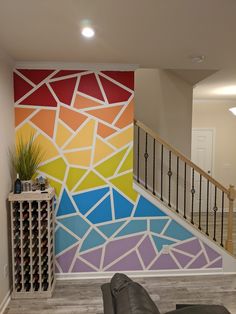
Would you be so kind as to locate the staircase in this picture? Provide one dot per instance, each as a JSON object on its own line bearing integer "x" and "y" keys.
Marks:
{"x": 179, "y": 184}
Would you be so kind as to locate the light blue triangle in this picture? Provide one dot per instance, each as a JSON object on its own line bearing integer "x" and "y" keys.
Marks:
{"x": 178, "y": 232}
{"x": 102, "y": 212}
{"x": 108, "y": 230}
{"x": 65, "y": 207}
{"x": 76, "y": 224}
{"x": 123, "y": 208}
{"x": 92, "y": 240}
{"x": 87, "y": 200}
{"x": 158, "y": 225}
{"x": 133, "y": 227}
{"x": 63, "y": 240}
{"x": 147, "y": 209}
{"x": 159, "y": 242}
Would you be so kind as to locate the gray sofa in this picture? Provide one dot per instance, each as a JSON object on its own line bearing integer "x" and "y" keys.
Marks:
{"x": 125, "y": 296}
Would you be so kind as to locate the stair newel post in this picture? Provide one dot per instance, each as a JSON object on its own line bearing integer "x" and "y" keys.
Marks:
{"x": 231, "y": 197}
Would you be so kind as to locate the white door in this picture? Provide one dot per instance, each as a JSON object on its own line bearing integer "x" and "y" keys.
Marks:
{"x": 202, "y": 156}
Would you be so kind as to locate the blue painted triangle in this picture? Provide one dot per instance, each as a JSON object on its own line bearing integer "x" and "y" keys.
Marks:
{"x": 158, "y": 225}
{"x": 76, "y": 224}
{"x": 147, "y": 209}
{"x": 123, "y": 208}
{"x": 87, "y": 200}
{"x": 159, "y": 242}
{"x": 92, "y": 240}
{"x": 63, "y": 240}
{"x": 108, "y": 230}
{"x": 178, "y": 232}
{"x": 133, "y": 227}
{"x": 65, "y": 207}
{"x": 102, "y": 212}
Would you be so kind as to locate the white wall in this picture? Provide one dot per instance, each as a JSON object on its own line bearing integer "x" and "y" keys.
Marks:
{"x": 6, "y": 141}
{"x": 215, "y": 114}
{"x": 163, "y": 101}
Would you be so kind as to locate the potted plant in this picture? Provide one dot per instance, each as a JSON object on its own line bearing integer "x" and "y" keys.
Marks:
{"x": 26, "y": 159}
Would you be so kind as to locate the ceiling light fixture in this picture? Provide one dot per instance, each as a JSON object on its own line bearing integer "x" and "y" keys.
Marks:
{"x": 88, "y": 32}
{"x": 197, "y": 59}
{"x": 233, "y": 110}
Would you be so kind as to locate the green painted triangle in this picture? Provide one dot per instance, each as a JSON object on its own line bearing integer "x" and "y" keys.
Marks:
{"x": 128, "y": 163}
{"x": 55, "y": 168}
{"x": 74, "y": 175}
{"x": 108, "y": 167}
{"x": 56, "y": 185}
{"x": 90, "y": 181}
{"x": 124, "y": 183}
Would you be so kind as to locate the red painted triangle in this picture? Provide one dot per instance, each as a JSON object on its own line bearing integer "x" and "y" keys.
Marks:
{"x": 126, "y": 78}
{"x": 67, "y": 72}
{"x": 114, "y": 92}
{"x": 89, "y": 86}
{"x": 21, "y": 87}
{"x": 40, "y": 97}
{"x": 35, "y": 76}
{"x": 64, "y": 89}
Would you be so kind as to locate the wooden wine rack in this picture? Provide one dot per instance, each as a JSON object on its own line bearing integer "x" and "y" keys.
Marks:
{"x": 32, "y": 232}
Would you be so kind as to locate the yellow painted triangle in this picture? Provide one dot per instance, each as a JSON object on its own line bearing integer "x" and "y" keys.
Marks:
{"x": 79, "y": 158}
{"x": 84, "y": 138}
{"x": 55, "y": 168}
{"x": 56, "y": 185}
{"x": 124, "y": 183}
{"x": 74, "y": 175}
{"x": 109, "y": 166}
{"x": 90, "y": 181}
{"x": 128, "y": 162}
{"x": 25, "y": 132}
{"x": 48, "y": 148}
{"x": 121, "y": 139}
{"x": 102, "y": 150}
{"x": 62, "y": 134}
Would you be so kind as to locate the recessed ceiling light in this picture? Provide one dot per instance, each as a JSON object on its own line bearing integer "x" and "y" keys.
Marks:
{"x": 197, "y": 59}
{"x": 88, "y": 32}
{"x": 233, "y": 110}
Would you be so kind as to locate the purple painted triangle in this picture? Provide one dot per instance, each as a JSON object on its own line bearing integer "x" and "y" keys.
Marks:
{"x": 181, "y": 258}
{"x": 212, "y": 254}
{"x": 147, "y": 251}
{"x": 130, "y": 262}
{"x": 57, "y": 270}
{"x": 164, "y": 261}
{"x": 66, "y": 259}
{"x": 117, "y": 248}
{"x": 93, "y": 257}
{"x": 192, "y": 247}
{"x": 199, "y": 262}
{"x": 217, "y": 264}
{"x": 80, "y": 267}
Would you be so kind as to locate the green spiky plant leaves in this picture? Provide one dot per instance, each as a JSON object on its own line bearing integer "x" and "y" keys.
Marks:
{"x": 27, "y": 157}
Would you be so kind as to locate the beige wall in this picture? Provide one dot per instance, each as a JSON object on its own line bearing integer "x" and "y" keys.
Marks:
{"x": 6, "y": 140}
{"x": 163, "y": 101}
{"x": 215, "y": 114}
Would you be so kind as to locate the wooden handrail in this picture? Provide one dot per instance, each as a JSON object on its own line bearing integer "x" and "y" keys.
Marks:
{"x": 229, "y": 242}
{"x": 180, "y": 155}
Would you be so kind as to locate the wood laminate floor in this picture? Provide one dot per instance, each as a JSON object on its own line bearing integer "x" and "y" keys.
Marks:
{"x": 84, "y": 296}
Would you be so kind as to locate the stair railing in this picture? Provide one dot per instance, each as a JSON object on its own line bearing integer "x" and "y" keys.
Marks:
{"x": 183, "y": 186}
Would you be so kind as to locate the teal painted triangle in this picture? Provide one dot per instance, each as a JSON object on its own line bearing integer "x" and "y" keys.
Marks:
{"x": 65, "y": 207}
{"x": 158, "y": 225}
{"x": 108, "y": 230}
{"x": 159, "y": 242}
{"x": 76, "y": 224}
{"x": 178, "y": 232}
{"x": 133, "y": 227}
{"x": 92, "y": 240}
{"x": 63, "y": 240}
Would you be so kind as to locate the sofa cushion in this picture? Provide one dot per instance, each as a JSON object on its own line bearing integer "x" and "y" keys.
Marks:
{"x": 118, "y": 282}
{"x": 201, "y": 309}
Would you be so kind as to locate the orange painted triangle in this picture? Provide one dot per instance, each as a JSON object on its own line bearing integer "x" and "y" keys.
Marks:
{"x": 72, "y": 118}
{"x": 45, "y": 120}
{"x": 83, "y": 102}
{"x": 21, "y": 114}
{"x": 104, "y": 130}
{"x": 106, "y": 114}
{"x": 127, "y": 116}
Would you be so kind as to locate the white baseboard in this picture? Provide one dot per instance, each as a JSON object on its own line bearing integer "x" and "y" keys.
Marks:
{"x": 5, "y": 302}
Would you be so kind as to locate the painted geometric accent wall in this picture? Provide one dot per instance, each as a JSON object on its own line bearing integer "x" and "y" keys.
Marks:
{"x": 83, "y": 120}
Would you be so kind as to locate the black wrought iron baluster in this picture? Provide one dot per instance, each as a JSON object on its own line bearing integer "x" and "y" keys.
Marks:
{"x": 192, "y": 192}
{"x": 222, "y": 220}
{"x": 207, "y": 209}
{"x": 138, "y": 147}
{"x": 185, "y": 184}
{"x": 169, "y": 175}
{"x": 215, "y": 211}
{"x": 200, "y": 204}
{"x": 162, "y": 153}
{"x": 146, "y": 160}
{"x": 177, "y": 185}
{"x": 154, "y": 167}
